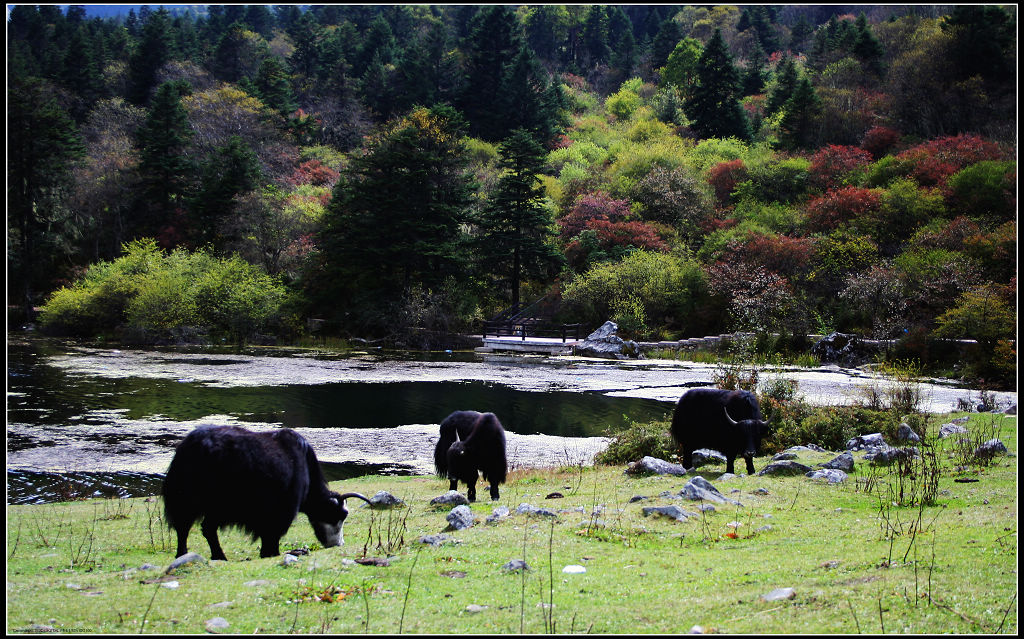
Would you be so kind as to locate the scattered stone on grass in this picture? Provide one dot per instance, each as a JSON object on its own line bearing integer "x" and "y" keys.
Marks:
{"x": 499, "y": 513}
{"x": 785, "y": 467}
{"x": 673, "y": 511}
{"x": 704, "y": 456}
{"x": 384, "y": 500}
{"x": 700, "y": 489}
{"x": 990, "y": 449}
{"x": 475, "y": 608}
{"x": 555, "y": 495}
{"x": 779, "y": 594}
{"x": 865, "y": 441}
{"x": 221, "y": 604}
{"x": 289, "y": 559}
{"x": 906, "y": 434}
{"x": 527, "y": 509}
{"x": 256, "y": 583}
{"x": 454, "y": 574}
{"x": 885, "y": 455}
{"x": 450, "y": 498}
{"x": 636, "y": 498}
{"x": 460, "y": 518}
{"x": 652, "y": 465}
{"x": 951, "y": 428}
{"x": 843, "y": 462}
{"x": 383, "y": 562}
{"x": 436, "y": 540}
{"x": 217, "y": 623}
{"x": 574, "y": 569}
{"x": 187, "y": 558}
{"x": 783, "y": 456}
{"x": 831, "y": 475}
{"x": 516, "y": 565}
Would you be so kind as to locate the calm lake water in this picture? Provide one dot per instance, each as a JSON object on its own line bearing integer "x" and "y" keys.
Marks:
{"x": 83, "y": 420}
{"x": 86, "y": 420}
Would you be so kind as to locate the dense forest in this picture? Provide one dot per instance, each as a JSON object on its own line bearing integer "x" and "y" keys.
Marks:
{"x": 235, "y": 171}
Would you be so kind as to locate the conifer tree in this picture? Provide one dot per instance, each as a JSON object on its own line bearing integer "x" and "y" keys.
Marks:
{"x": 786, "y": 80}
{"x": 273, "y": 86}
{"x": 866, "y": 47}
{"x": 232, "y": 169}
{"x": 516, "y": 229}
{"x": 153, "y": 51}
{"x": 166, "y": 172}
{"x": 754, "y": 76}
{"x": 669, "y": 35}
{"x": 595, "y": 36}
{"x": 714, "y": 104}
{"x": 801, "y": 117}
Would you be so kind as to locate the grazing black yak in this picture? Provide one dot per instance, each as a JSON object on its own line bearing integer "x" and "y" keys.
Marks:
{"x": 706, "y": 418}
{"x": 259, "y": 482}
{"x": 471, "y": 442}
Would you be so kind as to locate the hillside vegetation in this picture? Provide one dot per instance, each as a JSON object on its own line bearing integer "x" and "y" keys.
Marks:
{"x": 396, "y": 171}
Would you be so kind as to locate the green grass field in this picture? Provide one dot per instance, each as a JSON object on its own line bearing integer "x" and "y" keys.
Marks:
{"x": 856, "y": 561}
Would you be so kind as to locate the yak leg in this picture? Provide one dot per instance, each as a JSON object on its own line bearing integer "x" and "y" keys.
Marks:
{"x": 750, "y": 465}
{"x": 687, "y": 458}
{"x": 210, "y": 532}
{"x": 453, "y": 484}
{"x": 471, "y": 492}
{"x": 494, "y": 491}
{"x": 730, "y": 461}
{"x": 270, "y": 545}
{"x": 182, "y": 531}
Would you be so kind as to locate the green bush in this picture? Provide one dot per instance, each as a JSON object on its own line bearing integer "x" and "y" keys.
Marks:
{"x": 799, "y": 425}
{"x": 660, "y": 290}
{"x": 637, "y": 441}
{"x": 149, "y": 294}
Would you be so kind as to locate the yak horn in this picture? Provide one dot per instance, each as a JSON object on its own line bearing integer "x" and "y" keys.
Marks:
{"x": 357, "y": 496}
{"x": 728, "y": 417}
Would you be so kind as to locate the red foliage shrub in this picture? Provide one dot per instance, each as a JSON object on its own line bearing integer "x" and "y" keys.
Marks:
{"x": 879, "y": 140}
{"x": 574, "y": 81}
{"x": 589, "y": 207}
{"x": 561, "y": 142}
{"x": 724, "y": 176}
{"x": 951, "y": 236}
{"x": 638, "y": 234}
{"x": 934, "y": 161}
{"x": 830, "y": 165}
{"x": 313, "y": 172}
{"x": 838, "y": 206}
{"x": 780, "y": 253}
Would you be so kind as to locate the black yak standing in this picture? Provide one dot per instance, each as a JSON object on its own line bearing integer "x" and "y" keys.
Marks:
{"x": 229, "y": 476}
{"x": 706, "y": 418}
{"x": 471, "y": 442}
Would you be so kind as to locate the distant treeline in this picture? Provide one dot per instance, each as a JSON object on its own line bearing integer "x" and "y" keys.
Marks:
{"x": 683, "y": 170}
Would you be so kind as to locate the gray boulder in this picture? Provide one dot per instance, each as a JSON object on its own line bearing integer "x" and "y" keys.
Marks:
{"x": 384, "y": 500}
{"x": 450, "y": 498}
{"x": 844, "y": 349}
{"x": 499, "y": 513}
{"x": 701, "y": 489}
{"x": 831, "y": 475}
{"x": 906, "y": 434}
{"x": 783, "y": 456}
{"x": 654, "y": 466}
{"x": 605, "y": 343}
{"x": 527, "y": 509}
{"x": 865, "y": 441}
{"x": 516, "y": 565}
{"x": 460, "y": 518}
{"x": 703, "y": 456}
{"x": 990, "y": 449}
{"x": 843, "y": 462}
{"x": 885, "y": 455}
{"x": 951, "y": 428}
{"x": 675, "y": 512}
{"x": 785, "y": 467}
{"x": 184, "y": 560}
{"x": 436, "y": 540}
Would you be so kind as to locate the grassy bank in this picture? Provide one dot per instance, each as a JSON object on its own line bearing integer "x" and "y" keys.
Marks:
{"x": 856, "y": 561}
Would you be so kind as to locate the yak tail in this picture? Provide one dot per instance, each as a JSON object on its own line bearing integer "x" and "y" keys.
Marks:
{"x": 448, "y": 437}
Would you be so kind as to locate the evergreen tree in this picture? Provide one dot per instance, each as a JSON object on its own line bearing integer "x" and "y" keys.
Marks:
{"x": 494, "y": 43}
{"x": 153, "y": 51}
{"x": 394, "y": 220}
{"x": 516, "y": 227}
{"x": 714, "y": 106}
{"x": 866, "y": 47}
{"x": 754, "y": 76}
{"x": 529, "y": 100}
{"x": 260, "y": 19}
{"x": 231, "y": 170}
{"x": 166, "y": 172}
{"x": 669, "y": 35}
{"x": 786, "y": 79}
{"x": 983, "y": 41}
{"x": 273, "y": 86}
{"x": 378, "y": 42}
{"x": 595, "y": 36}
{"x": 44, "y": 141}
{"x": 83, "y": 75}
{"x": 800, "y": 33}
{"x": 801, "y": 118}
{"x": 306, "y": 33}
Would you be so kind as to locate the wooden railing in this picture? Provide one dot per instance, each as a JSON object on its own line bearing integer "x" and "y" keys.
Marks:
{"x": 530, "y": 327}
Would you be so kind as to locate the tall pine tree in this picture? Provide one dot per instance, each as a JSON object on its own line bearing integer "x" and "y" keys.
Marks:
{"x": 714, "y": 105}
{"x": 516, "y": 228}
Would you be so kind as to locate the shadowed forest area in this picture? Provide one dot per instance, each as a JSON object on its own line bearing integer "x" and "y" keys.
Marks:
{"x": 231, "y": 173}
